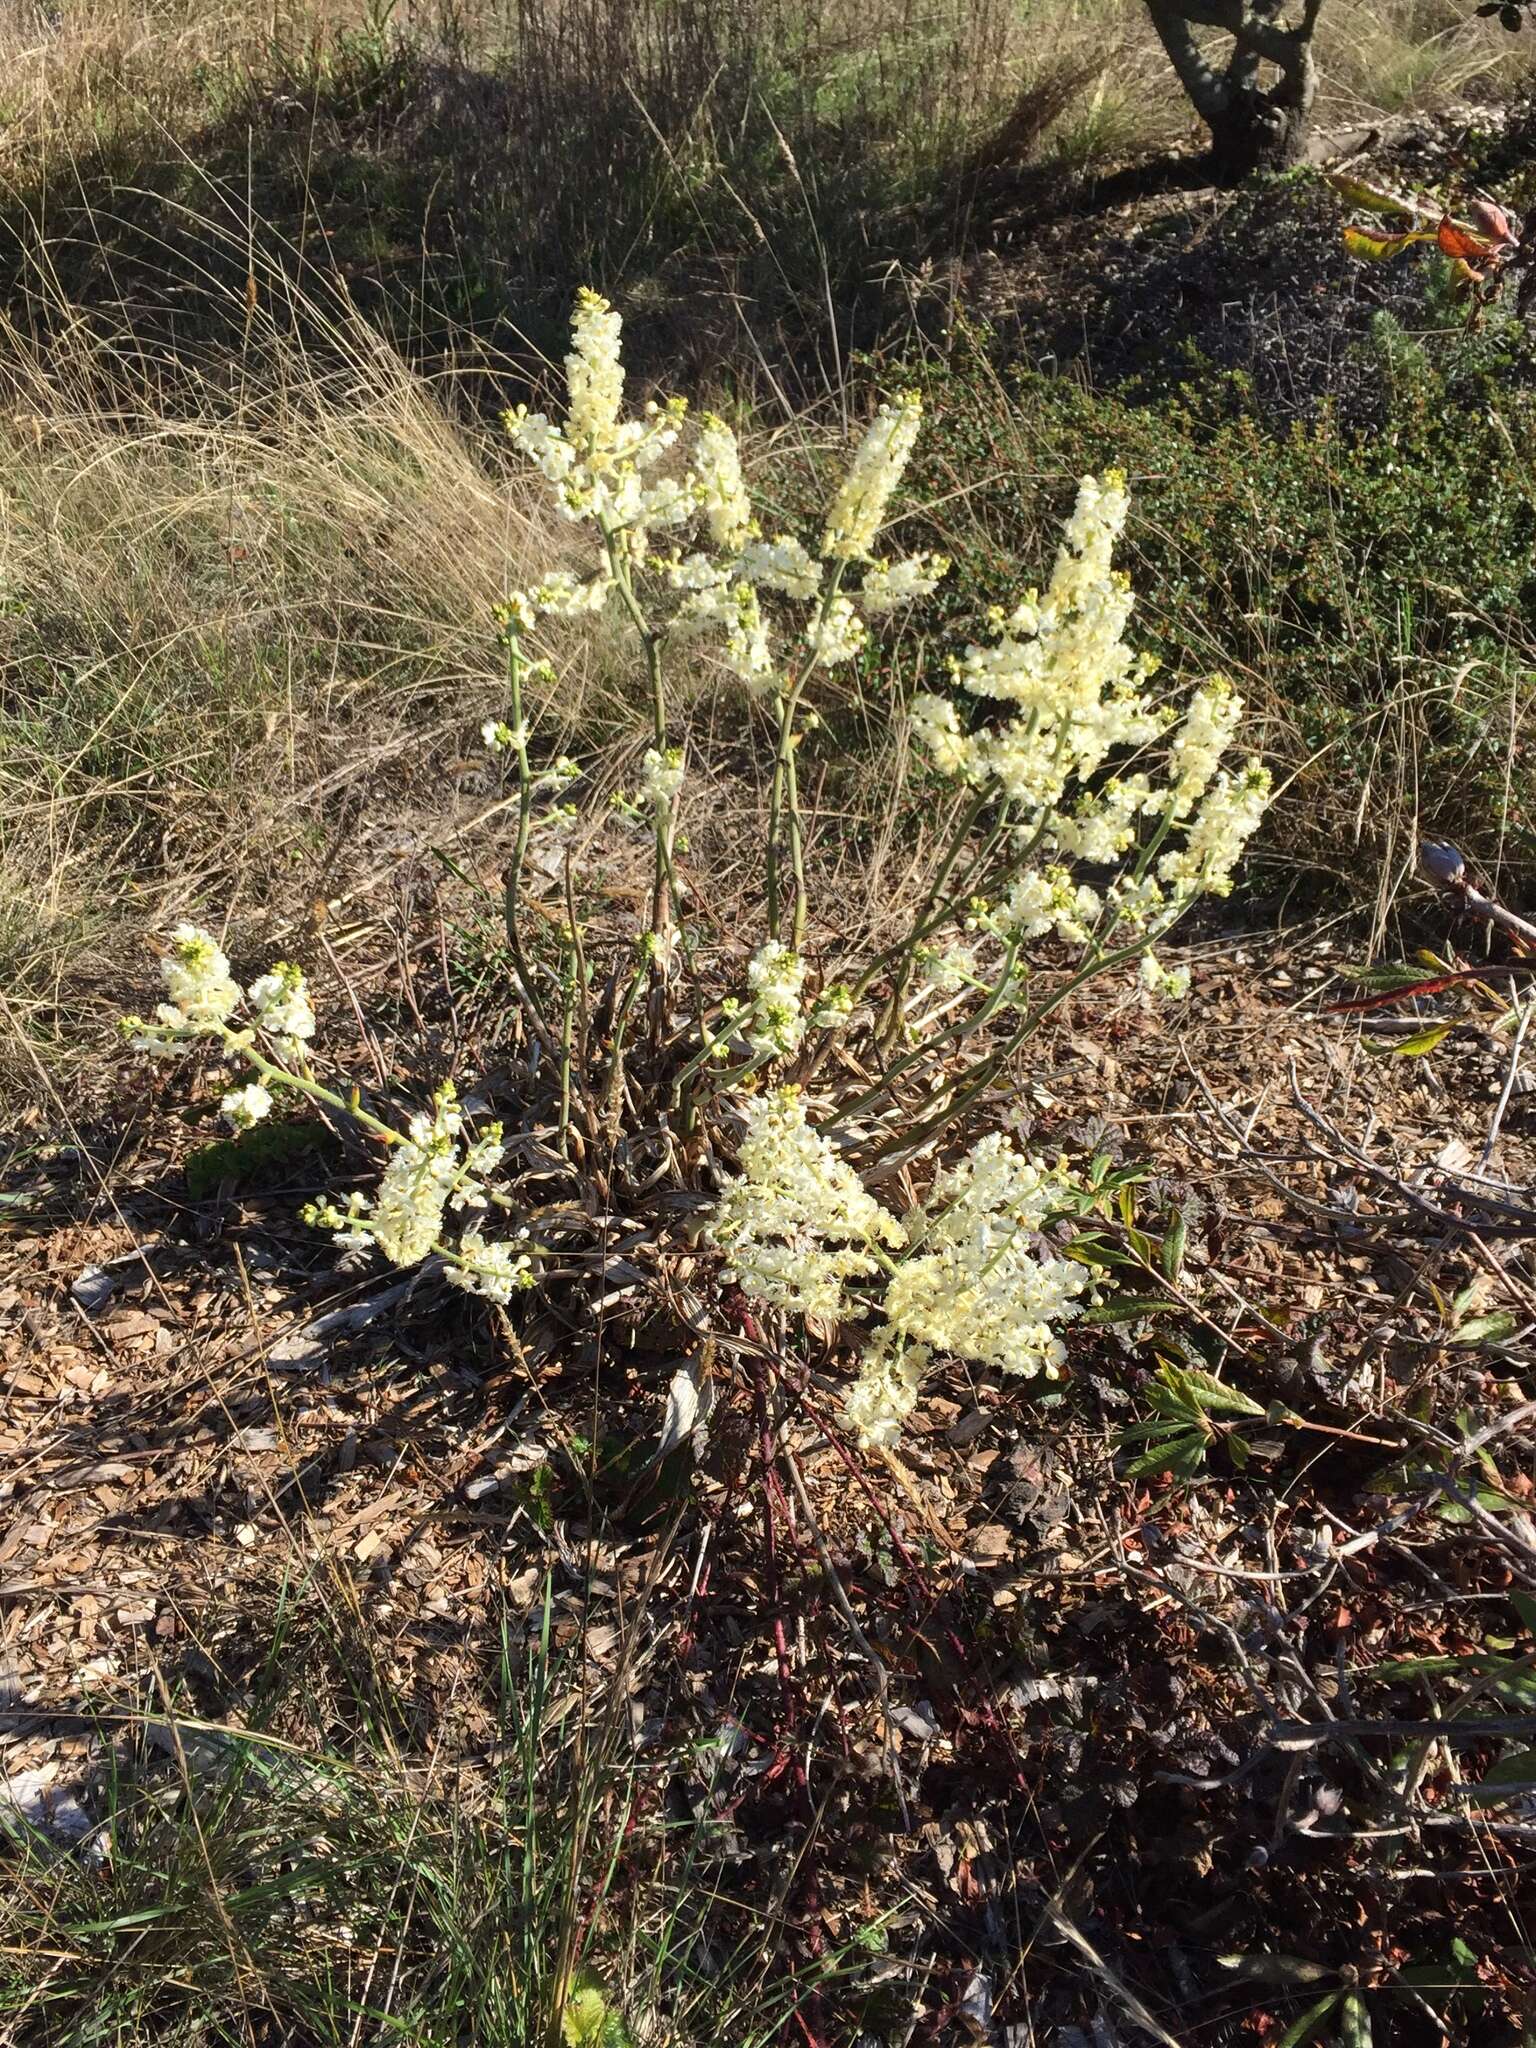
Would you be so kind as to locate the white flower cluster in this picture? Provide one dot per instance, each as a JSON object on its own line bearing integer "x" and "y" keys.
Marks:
{"x": 282, "y": 1009}
{"x": 1197, "y": 747}
{"x": 974, "y": 1282}
{"x": 245, "y": 1107}
{"x": 720, "y": 489}
{"x": 936, "y": 727}
{"x": 429, "y": 1172}
{"x": 1170, "y": 983}
{"x": 198, "y": 984}
{"x": 594, "y": 375}
{"x": 774, "y": 1023}
{"x": 1103, "y": 825}
{"x": 948, "y": 968}
{"x": 797, "y": 1224}
{"x": 782, "y": 564}
{"x": 596, "y": 461}
{"x": 889, "y": 585}
{"x": 1062, "y": 660}
{"x": 1078, "y": 693}
{"x": 661, "y": 775}
{"x": 837, "y": 633}
{"x": 496, "y": 1271}
{"x": 202, "y": 998}
{"x": 562, "y": 596}
{"x": 599, "y": 465}
{"x": 1045, "y": 902}
{"x": 882, "y": 1397}
{"x": 1231, "y": 812}
{"x": 747, "y": 653}
{"x": 833, "y": 1007}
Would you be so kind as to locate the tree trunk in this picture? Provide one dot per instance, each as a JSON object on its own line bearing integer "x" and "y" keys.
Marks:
{"x": 1251, "y": 129}
{"x": 1253, "y": 132}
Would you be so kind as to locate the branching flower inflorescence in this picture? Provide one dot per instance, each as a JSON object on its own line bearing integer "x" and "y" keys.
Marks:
{"x": 1086, "y": 816}
{"x": 432, "y": 1168}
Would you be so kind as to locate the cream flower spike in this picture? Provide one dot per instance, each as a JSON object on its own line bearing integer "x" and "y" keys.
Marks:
{"x": 859, "y": 509}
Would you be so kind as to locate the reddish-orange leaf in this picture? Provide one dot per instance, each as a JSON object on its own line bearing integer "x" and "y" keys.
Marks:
{"x": 1460, "y": 242}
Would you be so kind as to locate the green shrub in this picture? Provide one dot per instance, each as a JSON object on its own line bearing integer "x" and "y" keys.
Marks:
{"x": 1368, "y": 588}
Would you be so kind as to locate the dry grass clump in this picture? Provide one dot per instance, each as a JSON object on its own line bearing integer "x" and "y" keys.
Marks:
{"x": 102, "y": 72}
{"x": 1412, "y": 55}
{"x": 222, "y": 621}
{"x": 678, "y": 100}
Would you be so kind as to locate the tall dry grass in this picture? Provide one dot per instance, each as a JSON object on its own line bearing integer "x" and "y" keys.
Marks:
{"x": 675, "y": 89}
{"x": 222, "y": 622}
{"x": 100, "y": 73}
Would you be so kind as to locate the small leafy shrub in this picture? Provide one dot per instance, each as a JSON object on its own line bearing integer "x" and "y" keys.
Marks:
{"x": 825, "y": 1109}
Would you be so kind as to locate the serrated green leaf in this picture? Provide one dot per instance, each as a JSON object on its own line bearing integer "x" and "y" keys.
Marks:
{"x": 1170, "y": 1394}
{"x": 1103, "y": 1257}
{"x": 583, "y": 2018}
{"x": 1126, "y": 1177}
{"x": 588, "y": 2020}
{"x": 1490, "y": 1329}
{"x": 1383, "y": 974}
{"x": 1179, "y": 1456}
{"x": 1217, "y": 1397}
{"x": 1304, "y": 2028}
{"x": 1146, "y": 1432}
{"x": 1524, "y": 1605}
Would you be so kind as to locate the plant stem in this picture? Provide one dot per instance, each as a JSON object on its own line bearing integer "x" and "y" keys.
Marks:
{"x": 619, "y": 569}
{"x": 567, "y": 1034}
{"x": 270, "y": 1071}
{"x": 513, "y": 880}
{"x": 616, "y": 1060}
{"x": 980, "y": 1077}
{"x": 784, "y": 789}
{"x": 954, "y": 1033}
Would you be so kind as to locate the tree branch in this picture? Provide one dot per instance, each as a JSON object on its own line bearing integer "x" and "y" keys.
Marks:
{"x": 1207, "y": 89}
{"x": 1252, "y": 31}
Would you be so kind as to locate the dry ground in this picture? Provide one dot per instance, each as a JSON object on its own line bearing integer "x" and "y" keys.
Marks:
{"x": 1074, "y": 1743}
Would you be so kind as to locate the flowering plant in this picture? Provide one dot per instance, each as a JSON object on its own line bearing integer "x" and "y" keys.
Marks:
{"x": 788, "y": 1096}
